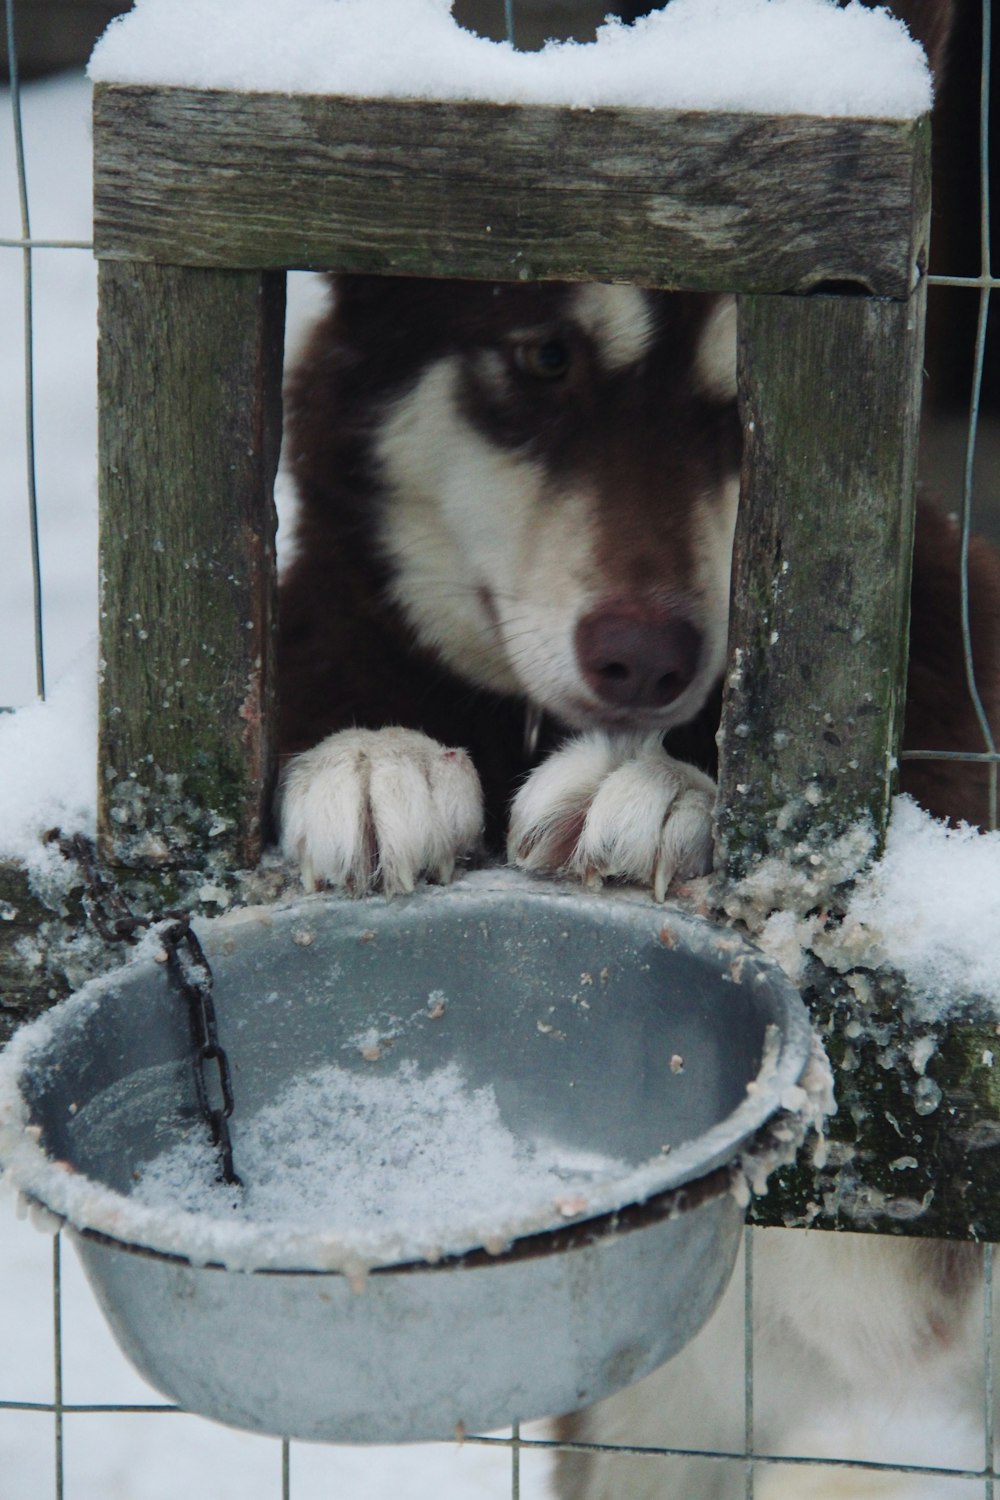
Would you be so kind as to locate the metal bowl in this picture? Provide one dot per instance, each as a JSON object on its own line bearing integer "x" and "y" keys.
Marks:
{"x": 612, "y": 1029}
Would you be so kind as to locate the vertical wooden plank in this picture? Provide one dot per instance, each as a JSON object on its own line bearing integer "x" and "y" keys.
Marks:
{"x": 189, "y": 372}
{"x": 814, "y": 696}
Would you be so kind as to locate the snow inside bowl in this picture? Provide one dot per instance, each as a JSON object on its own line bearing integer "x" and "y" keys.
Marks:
{"x": 486, "y": 1135}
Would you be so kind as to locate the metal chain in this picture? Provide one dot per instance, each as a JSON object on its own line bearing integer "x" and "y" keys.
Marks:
{"x": 190, "y": 972}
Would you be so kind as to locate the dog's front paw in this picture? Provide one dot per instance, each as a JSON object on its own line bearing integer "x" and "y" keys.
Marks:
{"x": 618, "y": 808}
{"x": 377, "y": 808}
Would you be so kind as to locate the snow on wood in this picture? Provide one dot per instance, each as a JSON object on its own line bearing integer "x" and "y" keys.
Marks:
{"x": 772, "y": 56}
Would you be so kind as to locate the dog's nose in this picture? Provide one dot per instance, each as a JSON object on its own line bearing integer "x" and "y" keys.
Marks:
{"x": 632, "y": 660}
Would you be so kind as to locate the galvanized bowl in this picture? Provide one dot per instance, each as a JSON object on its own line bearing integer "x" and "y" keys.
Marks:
{"x": 612, "y": 1028}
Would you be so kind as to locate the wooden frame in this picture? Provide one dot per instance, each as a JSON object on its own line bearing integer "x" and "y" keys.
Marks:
{"x": 203, "y": 199}
{"x": 224, "y": 187}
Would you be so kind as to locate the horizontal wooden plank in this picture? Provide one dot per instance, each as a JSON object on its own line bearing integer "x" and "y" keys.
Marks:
{"x": 746, "y": 202}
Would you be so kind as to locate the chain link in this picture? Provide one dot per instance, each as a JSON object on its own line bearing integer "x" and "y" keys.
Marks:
{"x": 190, "y": 972}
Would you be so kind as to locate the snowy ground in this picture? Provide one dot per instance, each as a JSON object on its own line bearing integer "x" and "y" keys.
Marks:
{"x": 117, "y": 1456}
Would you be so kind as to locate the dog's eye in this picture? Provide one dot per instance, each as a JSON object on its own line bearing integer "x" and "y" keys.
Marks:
{"x": 545, "y": 359}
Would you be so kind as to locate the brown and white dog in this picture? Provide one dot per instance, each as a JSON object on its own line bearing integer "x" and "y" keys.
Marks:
{"x": 519, "y": 500}
{"x": 517, "y": 508}
{"x": 515, "y": 499}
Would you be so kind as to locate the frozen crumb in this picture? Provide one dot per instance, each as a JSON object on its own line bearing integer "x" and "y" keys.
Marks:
{"x": 304, "y": 937}
{"x": 921, "y": 1052}
{"x": 668, "y": 937}
{"x": 43, "y": 1220}
{"x": 371, "y": 1044}
{"x": 436, "y": 1005}
{"x": 547, "y": 1030}
{"x": 366, "y": 935}
{"x": 677, "y": 1063}
{"x": 570, "y": 1207}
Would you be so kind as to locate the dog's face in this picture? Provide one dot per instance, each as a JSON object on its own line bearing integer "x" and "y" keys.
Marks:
{"x": 561, "y": 467}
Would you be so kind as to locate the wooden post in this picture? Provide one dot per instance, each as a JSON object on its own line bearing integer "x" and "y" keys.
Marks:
{"x": 190, "y": 430}
{"x": 819, "y": 620}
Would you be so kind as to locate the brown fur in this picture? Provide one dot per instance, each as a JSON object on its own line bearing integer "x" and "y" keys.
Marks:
{"x": 348, "y": 658}
{"x": 940, "y": 714}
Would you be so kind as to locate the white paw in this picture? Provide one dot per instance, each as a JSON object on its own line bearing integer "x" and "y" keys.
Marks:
{"x": 614, "y": 807}
{"x": 371, "y": 808}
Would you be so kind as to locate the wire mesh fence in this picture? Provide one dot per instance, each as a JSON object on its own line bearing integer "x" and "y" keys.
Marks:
{"x": 44, "y": 1414}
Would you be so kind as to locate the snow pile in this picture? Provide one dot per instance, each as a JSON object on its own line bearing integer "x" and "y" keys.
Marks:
{"x": 773, "y": 56}
{"x": 408, "y": 1150}
{"x": 48, "y": 766}
{"x": 931, "y": 908}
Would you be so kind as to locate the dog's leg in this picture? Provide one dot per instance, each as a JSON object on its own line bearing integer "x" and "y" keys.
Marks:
{"x": 602, "y": 806}
{"x": 378, "y": 808}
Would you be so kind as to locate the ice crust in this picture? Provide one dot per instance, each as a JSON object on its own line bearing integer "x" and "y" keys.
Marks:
{"x": 406, "y": 1153}
{"x": 770, "y": 56}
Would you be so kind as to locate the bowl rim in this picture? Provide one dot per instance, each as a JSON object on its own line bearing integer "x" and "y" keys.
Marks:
{"x": 662, "y": 1186}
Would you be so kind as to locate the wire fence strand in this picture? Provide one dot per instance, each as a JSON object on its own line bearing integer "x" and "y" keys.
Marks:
{"x": 29, "y": 351}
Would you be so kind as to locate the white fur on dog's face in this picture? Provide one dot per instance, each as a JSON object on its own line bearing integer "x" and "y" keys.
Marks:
{"x": 715, "y": 361}
{"x": 495, "y": 562}
{"x": 618, "y": 319}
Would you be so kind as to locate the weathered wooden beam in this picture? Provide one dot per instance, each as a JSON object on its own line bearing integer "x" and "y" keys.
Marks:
{"x": 740, "y": 202}
{"x": 820, "y": 607}
{"x": 915, "y": 1142}
{"x": 190, "y": 428}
